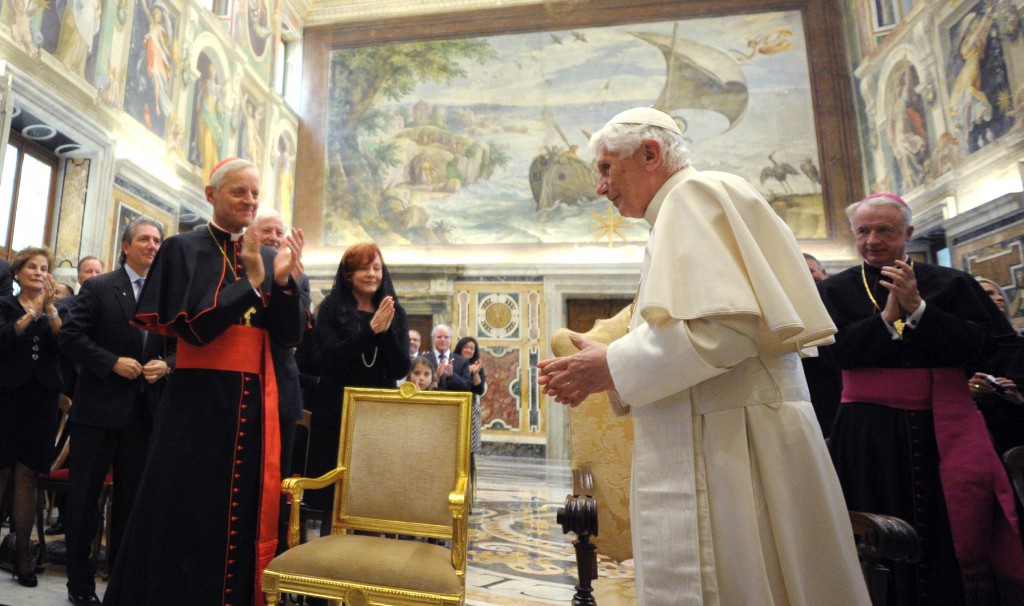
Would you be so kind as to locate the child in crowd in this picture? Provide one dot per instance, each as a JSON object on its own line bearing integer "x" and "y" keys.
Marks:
{"x": 422, "y": 374}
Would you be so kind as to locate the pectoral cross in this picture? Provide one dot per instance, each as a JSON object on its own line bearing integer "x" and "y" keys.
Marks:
{"x": 899, "y": 326}
{"x": 248, "y": 315}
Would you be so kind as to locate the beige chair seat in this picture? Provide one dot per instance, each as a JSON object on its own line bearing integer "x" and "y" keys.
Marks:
{"x": 370, "y": 560}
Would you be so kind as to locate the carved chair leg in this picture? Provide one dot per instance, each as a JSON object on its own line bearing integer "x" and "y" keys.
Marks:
{"x": 586, "y": 561}
{"x": 271, "y": 597}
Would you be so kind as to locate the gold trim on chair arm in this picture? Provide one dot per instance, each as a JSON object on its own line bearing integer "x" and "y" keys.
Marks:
{"x": 457, "y": 497}
{"x": 294, "y": 487}
{"x": 460, "y": 525}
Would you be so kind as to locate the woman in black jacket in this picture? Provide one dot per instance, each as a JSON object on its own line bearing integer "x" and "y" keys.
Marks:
{"x": 362, "y": 336}
{"x": 30, "y": 387}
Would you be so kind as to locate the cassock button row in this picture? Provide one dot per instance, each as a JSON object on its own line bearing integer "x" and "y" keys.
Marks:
{"x": 35, "y": 339}
{"x": 35, "y": 348}
{"x": 231, "y": 561}
{"x": 238, "y": 461}
{"x": 237, "y": 490}
{"x": 231, "y": 547}
{"x": 238, "y": 475}
{"x": 234, "y": 532}
{"x": 35, "y": 356}
{"x": 241, "y": 434}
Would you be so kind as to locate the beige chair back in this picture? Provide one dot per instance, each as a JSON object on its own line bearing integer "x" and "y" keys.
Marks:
{"x": 397, "y": 450}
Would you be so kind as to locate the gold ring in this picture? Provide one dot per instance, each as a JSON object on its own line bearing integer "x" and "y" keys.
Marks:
{"x": 976, "y": 386}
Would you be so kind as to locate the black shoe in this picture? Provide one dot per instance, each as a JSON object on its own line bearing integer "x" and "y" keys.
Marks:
{"x": 88, "y": 599}
{"x": 55, "y": 529}
{"x": 26, "y": 579}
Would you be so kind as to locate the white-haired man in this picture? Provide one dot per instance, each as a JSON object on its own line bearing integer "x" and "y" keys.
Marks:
{"x": 907, "y": 439}
{"x": 734, "y": 501}
{"x": 217, "y": 429}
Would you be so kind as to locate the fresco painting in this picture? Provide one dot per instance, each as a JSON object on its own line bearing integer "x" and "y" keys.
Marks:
{"x": 979, "y": 89}
{"x": 907, "y": 130}
{"x": 485, "y": 140}
{"x": 153, "y": 60}
{"x": 209, "y": 123}
{"x": 70, "y": 30}
{"x": 284, "y": 172}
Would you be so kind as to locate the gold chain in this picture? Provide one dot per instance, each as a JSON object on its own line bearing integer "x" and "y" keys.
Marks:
{"x": 223, "y": 252}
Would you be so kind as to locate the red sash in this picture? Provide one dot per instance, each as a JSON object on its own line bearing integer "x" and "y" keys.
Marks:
{"x": 247, "y": 349}
{"x": 984, "y": 532}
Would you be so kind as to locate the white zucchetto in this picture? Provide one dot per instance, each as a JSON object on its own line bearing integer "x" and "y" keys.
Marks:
{"x": 647, "y": 116}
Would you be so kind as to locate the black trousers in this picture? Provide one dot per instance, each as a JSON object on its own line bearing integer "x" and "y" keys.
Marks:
{"x": 94, "y": 451}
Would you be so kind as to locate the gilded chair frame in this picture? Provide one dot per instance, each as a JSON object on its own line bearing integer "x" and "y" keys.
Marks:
{"x": 349, "y": 516}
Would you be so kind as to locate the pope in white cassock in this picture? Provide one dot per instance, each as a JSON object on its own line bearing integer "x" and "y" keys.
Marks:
{"x": 734, "y": 498}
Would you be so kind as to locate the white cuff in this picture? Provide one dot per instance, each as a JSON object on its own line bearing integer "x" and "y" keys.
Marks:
{"x": 650, "y": 364}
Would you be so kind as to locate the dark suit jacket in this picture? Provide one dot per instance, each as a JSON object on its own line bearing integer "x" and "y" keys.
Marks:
{"x": 289, "y": 390}
{"x": 6, "y": 281}
{"x": 459, "y": 379}
{"x": 95, "y": 335}
{"x": 31, "y": 355}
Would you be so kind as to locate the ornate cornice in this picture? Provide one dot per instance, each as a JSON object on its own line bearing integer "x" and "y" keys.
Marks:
{"x": 330, "y": 12}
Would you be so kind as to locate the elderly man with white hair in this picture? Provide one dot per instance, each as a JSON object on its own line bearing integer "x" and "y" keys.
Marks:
{"x": 908, "y": 440}
{"x": 734, "y": 501}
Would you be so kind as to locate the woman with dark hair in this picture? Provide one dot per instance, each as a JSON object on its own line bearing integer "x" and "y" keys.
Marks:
{"x": 998, "y": 394}
{"x": 468, "y": 348}
{"x": 29, "y": 390}
{"x": 362, "y": 336}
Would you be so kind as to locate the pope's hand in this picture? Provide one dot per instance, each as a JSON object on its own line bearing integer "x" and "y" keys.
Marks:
{"x": 571, "y": 379}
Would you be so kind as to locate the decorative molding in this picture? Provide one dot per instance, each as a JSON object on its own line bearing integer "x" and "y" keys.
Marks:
{"x": 335, "y": 12}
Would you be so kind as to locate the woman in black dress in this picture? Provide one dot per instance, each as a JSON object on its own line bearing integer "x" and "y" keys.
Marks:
{"x": 468, "y": 348}
{"x": 362, "y": 335}
{"x": 29, "y": 390}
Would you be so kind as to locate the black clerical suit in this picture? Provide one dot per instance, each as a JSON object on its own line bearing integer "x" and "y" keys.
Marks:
{"x": 289, "y": 406}
{"x": 459, "y": 380}
{"x": 6, "y": 280}
{"x": 111, "y": 417}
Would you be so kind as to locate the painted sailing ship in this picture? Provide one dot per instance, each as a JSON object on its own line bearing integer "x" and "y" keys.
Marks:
{"x": 697, "y": 76}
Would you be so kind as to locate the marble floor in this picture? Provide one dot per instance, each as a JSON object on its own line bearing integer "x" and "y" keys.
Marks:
{"x": 517, "y": 552}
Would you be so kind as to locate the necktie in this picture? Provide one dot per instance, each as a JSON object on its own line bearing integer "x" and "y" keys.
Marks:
{"x": 139, "y": 283}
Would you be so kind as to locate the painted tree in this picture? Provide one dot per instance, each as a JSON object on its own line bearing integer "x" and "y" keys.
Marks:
{"x": 361, "y": 79}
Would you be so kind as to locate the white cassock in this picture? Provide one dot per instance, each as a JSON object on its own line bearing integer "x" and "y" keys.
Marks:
{"x": 734, "y": 499}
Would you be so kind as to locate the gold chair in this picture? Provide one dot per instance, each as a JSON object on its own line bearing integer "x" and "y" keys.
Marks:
{"x": 403, "y": 469}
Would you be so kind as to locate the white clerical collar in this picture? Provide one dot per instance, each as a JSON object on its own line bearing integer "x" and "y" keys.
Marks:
{"x": 651, "y": 214}
{"x": 234, "y": 237}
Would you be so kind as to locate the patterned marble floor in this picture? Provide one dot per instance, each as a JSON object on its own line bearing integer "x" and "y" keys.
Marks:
{"x": 517, "y": 553}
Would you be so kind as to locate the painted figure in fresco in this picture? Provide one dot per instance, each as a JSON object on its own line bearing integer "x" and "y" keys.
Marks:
{"x": 249, "y": 133}
{"x": 159, "y": 62}
{"x": 970, "y": 107}
{"x": 906, "y": 131}
{"x": 21, "y": 25}
{"x": 285, "y": 177}
{"x": 259, "y": 26}
{"x": 78, "y": 29}
{"x": 207, "y": 132}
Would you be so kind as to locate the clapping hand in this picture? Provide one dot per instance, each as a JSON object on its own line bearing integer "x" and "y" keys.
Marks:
{"x": 295, "y": 241}
{"x": 444, "y": 369}
{"x": 252, "y": 260}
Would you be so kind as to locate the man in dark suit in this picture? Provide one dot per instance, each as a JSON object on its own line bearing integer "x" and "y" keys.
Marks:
{"x": 88, "y": 267}
{"x": 452, "y": 370}
{"x": 6, "y": 279}
{"x": 268, "y": 227}
{"x": 122, "y": 373}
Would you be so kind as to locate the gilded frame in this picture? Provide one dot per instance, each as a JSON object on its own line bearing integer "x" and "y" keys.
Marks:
{"x": 834, "y": 127}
